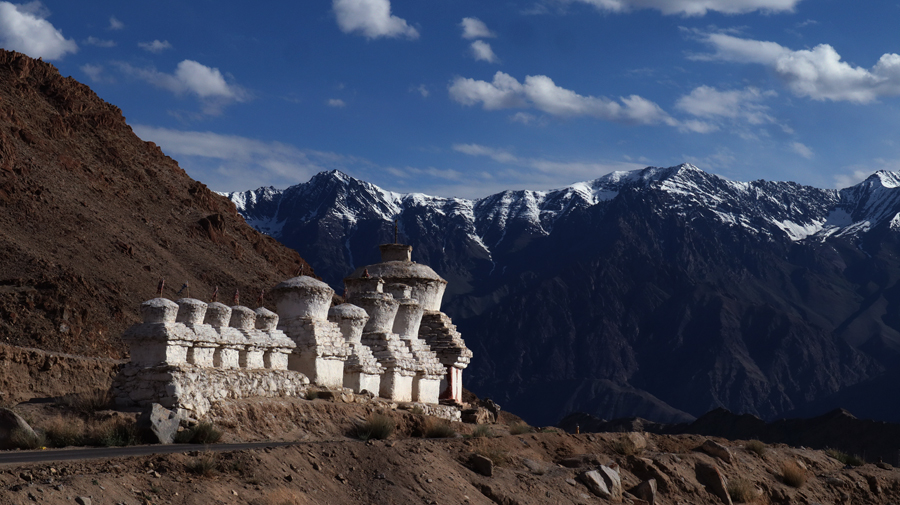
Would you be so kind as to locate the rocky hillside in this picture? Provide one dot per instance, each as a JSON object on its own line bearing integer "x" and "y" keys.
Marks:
{"x": 92, "y": 217}
{"x": 325, "y": 466}
{"x": 661, "y": 293}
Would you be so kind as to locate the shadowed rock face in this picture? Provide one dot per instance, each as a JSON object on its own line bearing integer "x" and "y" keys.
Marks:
{"x": 91, "y": 217}
{"x": 661, "y": 293}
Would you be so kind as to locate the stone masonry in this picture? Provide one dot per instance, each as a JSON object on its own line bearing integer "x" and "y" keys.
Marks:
{"x": 391, "y": 339}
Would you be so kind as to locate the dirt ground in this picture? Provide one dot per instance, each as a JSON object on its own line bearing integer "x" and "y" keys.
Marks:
{"x": 330, "y": 466}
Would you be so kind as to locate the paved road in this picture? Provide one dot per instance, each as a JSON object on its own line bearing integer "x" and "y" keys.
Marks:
{"x": 20, "y": 457}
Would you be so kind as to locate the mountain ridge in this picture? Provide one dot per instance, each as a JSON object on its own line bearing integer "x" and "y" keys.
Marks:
{"x": 663, "y": 291}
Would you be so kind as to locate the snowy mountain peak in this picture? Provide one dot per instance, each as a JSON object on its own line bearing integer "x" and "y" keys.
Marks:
{"x": 768, "y": 209}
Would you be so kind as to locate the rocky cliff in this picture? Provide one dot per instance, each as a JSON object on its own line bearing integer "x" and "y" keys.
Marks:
{"x": 92, "y": 217}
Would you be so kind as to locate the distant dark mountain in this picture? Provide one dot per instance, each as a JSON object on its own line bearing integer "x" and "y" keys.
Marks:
{"x": 660, "y": 293}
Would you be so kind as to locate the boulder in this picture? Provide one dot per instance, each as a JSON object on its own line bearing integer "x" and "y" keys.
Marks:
{"x": 10, "y": 422}
{"x": 712, "y": 478}
{"x": 482, "y": 465}
{"x": 595, "y": 483}
{"x": 646, "y": 491}
{"x": 159, "y": 423}
{"x": 476, "y": 416}
{"x": 613, "y": 482}
{"x": 716, "y": 450}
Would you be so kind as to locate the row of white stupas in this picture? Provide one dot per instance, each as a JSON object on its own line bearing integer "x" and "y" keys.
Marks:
{"x": 390, "y": 338}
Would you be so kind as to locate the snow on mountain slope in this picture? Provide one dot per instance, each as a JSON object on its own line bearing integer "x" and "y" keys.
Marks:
{"x": 765, "y": 208}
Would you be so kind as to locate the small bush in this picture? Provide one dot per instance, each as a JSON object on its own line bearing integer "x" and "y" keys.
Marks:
{"x": 519, "y": 428}
{"x": 116, "y": 433}
{"x": 88, "y": 403}
{"x": 792, "y": 474}
{"x": 203, "y": 433}
{"x": 64, "y": 431}
{"x": 843, "y": 457}
{"x": 438, "y": 428}
{"x": 756, "y": 447}
{"x": 377, "y": 426}
{"x": 24, "y": 439}
{"x": 482, "y": 431}
{"x": 312, "y": 394}
{"x": 205, "y": 465}
{"x": 741, "y": 490}
{"x": 417, "y": 410}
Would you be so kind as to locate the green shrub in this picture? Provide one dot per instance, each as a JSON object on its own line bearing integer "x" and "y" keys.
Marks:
{"x": 741, "y": 490}
{"x": 377, "y": 426}
{"x": 756, "y": 447}
{"x": 312, "y": 394}
{"x": 482, "y": 431}
{"x": 417, "y": 410}
{"x": 435, "y": 428}
{"x": 792, "y": 474}
{"x": 519, "y": 428}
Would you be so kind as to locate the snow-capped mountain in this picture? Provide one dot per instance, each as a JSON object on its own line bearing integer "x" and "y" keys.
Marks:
{"x": 659, "y": 292}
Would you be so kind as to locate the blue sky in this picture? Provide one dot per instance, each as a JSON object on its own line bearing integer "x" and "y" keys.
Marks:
{"x": 465, "y": 98}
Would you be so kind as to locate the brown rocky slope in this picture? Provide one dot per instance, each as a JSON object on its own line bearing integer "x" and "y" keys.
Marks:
{"x": 92, "y": 217}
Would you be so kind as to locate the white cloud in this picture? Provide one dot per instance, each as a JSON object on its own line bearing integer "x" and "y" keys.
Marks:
{"x": 94, "y": 72}
{"x": 817, "y": 73}
{"x": 233, "y": 163}
{"x": 156, "y": 46}
{"x": 336, "y": 102}
{"x": 420, "y": 89}
{"x": 802, "y": 150}
{"x": 695, "y": 7}
{"x": 94, "y": 41}
{"x": 482, "y": 51}
{"x": 115, "y": 24}
{"x": 540, "y": 92}
{"x": 736, "y": 106}
{"x": 24, "y": 28}
{"x": 371, "y": 18}
{"x": 522, "y": 117}
{"x": 541, "y": 173}
{"x": 474, "y": 28}
{"x": 191, "y": 77}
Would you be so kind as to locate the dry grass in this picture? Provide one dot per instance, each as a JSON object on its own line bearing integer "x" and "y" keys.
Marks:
{"x": 742, "y": 490}
{"x": 88, "y": 403}
{"x": 202, "y": 433}
{"x": 757, "y": 447}
{"x": 283, "y": 496}
{"x": 377, "y": 426}
{"x": 520, "y": 428}
{"x": 438, "y": 428}
{"x": 23, "y": 439}
{"x": 113, "y": 433}
{"x": 495, "y": 453}
{"x": 204, "y": 465}
{"x": 482, "y": 431}
{"x": 843, "y": 457}
{"x": 793, "y": 474}
{"x": 65, "y": 431}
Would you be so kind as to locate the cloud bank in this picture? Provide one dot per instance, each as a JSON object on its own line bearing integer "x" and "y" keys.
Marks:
{"x": 695, "y": 7}
{"x": 24, "y": 28}
{"x": 371, "y": 18}
{"x": 817, "y": 73}
{"x": 541, "y": 93}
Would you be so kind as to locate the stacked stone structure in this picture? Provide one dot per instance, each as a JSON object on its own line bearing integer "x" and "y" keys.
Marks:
{"x": 391, "y": 339}
{"x": 187, "y": 354}
{"x": 434, "y": 329}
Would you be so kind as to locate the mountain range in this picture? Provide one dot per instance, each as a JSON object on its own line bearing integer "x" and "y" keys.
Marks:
{"x": 661, "y": 293}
